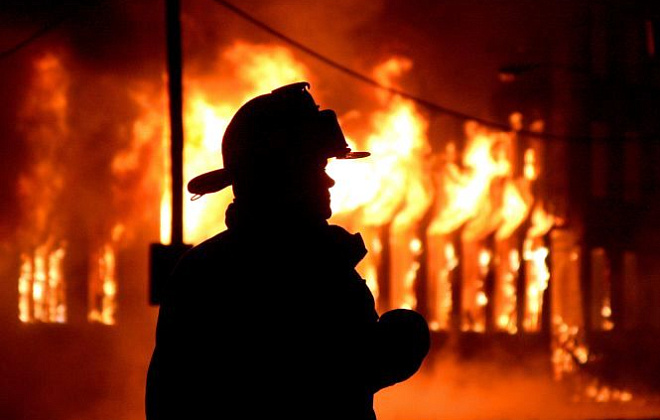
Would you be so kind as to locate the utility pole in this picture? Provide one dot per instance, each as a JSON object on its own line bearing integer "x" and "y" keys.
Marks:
{"x": 163, "y": 257}
{"x": 175, "y": 89}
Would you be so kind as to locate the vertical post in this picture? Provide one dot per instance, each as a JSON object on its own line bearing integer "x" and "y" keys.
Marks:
{"x": 384, "y": 274}
{"x": 163, "y": 258}
{"x": 521, "y": 281}
{"x": 172, "y": 11}
{"x": 457, "y": 283}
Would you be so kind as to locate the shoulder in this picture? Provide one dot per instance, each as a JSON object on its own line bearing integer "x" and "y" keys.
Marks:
{"x": 349, "y": 245}
{"x": 209, "y": 246}
{"x": 209, "y": 250}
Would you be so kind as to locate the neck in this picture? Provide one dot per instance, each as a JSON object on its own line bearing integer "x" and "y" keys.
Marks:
{"x": 268, "y": 216}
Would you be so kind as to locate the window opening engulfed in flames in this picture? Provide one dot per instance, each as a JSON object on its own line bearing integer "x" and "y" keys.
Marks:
{"x": 41, "y": 287}
{"x": 103, "y": 286}
{"x": 43, "y": 120}
{"x": 45, "y": 240}
{"x": 601, "y": 291}
{"x": 487, "y": 226}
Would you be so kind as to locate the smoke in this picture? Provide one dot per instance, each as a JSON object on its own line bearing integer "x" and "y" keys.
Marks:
{"x": 454, "y": 388}
{"x": 486, "y": 380}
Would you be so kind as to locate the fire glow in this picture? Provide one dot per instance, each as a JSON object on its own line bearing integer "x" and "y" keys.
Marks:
{"x": 456, "y": 212}
{"x": 41, "y": 285}
{"x": 453, "y": 228}
{"x": 474, "y": 200}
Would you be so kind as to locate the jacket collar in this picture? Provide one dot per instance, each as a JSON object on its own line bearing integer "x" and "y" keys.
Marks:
{"x": 332, "y": 240}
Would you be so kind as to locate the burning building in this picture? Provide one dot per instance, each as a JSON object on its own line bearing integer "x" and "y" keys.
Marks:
{"x": 526, "y": 235}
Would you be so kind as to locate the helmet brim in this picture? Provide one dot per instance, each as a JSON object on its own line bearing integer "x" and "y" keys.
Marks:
{"x": 354, "y": 155}
{"x": 210, "y": 182}
{"x": 214, "y": 181}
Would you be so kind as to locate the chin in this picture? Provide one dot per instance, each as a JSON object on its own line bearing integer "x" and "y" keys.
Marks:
{"x": 323, "y": 209}
{"x": 323, "y": 213}
{"x": 327, "y": 210}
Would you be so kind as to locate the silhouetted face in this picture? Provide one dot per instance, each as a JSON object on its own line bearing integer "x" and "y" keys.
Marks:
{"x": 306, "y": 189}
{"x": 294, "y": 188}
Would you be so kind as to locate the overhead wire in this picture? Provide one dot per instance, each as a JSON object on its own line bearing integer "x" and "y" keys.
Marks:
{"x": 330, "y": 62}
{"x": 368, "y": 80}
{"x": 70, "y": 12}
{"x": 48, "y": 27}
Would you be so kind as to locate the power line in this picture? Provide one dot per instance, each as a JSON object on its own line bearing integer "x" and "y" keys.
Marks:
{"x": 70, "y": 11}
{"x": 355, "y": 74}
{"x": 34, "y": 36}
{"x": 359, "y": 76}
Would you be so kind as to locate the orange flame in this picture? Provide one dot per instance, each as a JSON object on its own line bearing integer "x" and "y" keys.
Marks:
{"x": 103, "y": 285}
{"x": 393, "y": 185}
{"x": 535, "y": 254}
{"x": 41, "y": 282}
{"x": 477, "y": 198}
{"x": 440, "y": 268}
{"x": 41, "y": 286}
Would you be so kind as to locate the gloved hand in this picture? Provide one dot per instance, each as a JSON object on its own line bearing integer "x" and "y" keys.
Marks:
{"x": 402, "y": 342}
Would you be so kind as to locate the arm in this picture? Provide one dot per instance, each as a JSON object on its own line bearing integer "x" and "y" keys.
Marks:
{"x": 401, "y": 342}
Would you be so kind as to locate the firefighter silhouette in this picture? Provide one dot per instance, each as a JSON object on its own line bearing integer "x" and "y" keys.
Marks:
{"x": 270, "y": 317}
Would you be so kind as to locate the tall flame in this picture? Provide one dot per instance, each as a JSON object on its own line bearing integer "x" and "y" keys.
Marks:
{"x": 481, "y": 201}
{"x": 41, "y": 286}
{"x": 41, "y": 282}
{"x": 391, "y": 186}
{"x": 535, "y": 253}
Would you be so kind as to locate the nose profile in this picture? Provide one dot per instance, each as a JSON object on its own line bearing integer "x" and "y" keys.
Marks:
{"x": 329, "y": 182}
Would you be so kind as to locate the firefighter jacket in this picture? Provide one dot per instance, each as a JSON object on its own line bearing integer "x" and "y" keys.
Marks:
{"x": 271, "y": 320}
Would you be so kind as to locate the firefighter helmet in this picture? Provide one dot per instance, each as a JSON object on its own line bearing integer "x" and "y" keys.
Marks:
{"x": 285, "y": 123}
